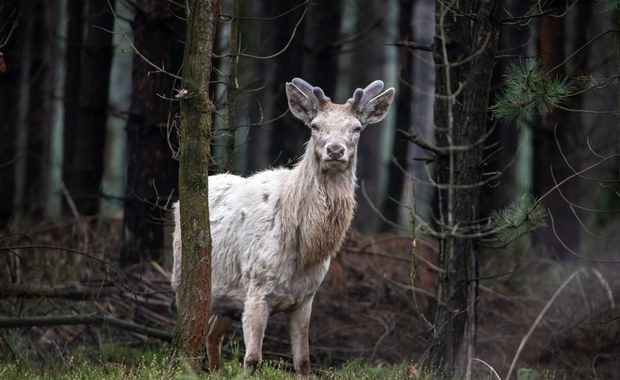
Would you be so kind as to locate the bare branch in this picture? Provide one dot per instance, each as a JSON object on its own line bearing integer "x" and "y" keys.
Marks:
{"x": 8, "y": 27}
{"x": 52, "y": 247}
{"x": 576, "y": 174}
{"x": 285, "y": 46}
{"x": 158, "y": 69}
{"x": 411, "y": 45}
{"x": 538, "y": 320}
{"x": 573, "y": 252}
{"x": 87, "y": 319}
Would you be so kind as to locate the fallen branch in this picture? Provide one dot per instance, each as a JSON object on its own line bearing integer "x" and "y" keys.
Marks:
{"x": 88, "y": 319}
{"x": 69, "y": 292}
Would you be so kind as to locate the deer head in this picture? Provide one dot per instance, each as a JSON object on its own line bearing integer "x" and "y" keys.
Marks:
{"x": 336, "y": 128}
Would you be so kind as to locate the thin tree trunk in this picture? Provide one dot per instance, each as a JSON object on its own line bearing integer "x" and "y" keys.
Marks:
{"x": 73, "y": 54}
{"x": 21, "y": 122}
{"x": 370, "y": 20}
{"x": 194, "y": 295}
{"x": 115, "y": 157}
{"x": 461, "y": 111}
{"x": 395, "y": 174}
{"x": 57, "y": 52}
{"x": 422, "y": 123}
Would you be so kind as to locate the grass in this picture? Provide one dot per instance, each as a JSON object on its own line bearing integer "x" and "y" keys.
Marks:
{"x": 121, "y": 363}
{"x": 161, "y": 368}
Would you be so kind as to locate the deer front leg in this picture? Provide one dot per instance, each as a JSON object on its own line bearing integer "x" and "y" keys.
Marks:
{"x": 254, "y": 321}
{"x": 298, "y": 324}
{"x": 218, "y": 325}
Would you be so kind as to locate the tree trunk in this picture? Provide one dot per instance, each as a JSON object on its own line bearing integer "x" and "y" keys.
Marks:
{"x": 514, "y": 181}
{"x": 310, "y": 54}
{"x": 287, "y": 135}
{"x": 84, "y": 145}
{"x": 75, "y": 29}
{"x": 461, "y": 110}
{"x": 422, "y": 124}
{"x": 370, "y": 23}
{"x": 115, "y": 157}
{"x": 9, "y": 97}
{"x": 320, "y": 59}
{"x": 552, "y": 41}
{"x": 150, "y": 168}
{"x": 194, "y": 295}
{"x": 395, "y": 174}
{"x": 32, "y": 113}
{"x": 56, "y": 84}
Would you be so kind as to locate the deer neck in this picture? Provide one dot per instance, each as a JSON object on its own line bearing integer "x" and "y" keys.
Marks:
{"x": 319, "y": 208}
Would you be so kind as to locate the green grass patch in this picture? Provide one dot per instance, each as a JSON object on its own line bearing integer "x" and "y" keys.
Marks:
{"x": 123, "y": 363}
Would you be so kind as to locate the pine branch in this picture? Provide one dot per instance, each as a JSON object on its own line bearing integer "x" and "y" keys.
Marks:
{"x": 522, "y": 216}
{"x": 530, "y": 92}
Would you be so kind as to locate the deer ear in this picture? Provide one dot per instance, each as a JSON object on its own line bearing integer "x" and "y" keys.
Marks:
{"x": 300, "y": 105}
{"x": 377, "y": 108}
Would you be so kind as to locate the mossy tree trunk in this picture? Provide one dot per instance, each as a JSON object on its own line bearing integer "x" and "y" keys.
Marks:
{"x": 466, "y": 44}
{"x": 195, "y": 137}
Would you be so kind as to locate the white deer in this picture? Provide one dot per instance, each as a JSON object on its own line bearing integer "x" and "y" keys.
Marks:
{"x": 274, "y": 233}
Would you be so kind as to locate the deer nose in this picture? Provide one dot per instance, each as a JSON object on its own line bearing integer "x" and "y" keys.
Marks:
{"x": 335, "y": 151}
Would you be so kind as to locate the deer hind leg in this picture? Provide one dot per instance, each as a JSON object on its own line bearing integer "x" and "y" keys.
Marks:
{"x": 218, "y": 325}
{"x": 298, "y": 324}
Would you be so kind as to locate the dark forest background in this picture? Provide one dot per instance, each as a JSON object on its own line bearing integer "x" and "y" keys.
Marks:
{"x": 89, "y": 117}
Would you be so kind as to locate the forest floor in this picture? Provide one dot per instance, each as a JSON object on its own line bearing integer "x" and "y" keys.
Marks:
{"x": 564, "y": 317}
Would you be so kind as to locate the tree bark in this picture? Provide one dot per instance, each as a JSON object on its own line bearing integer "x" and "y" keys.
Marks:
{"x": 464, "y": 57}
{"x": 194, "y": 295}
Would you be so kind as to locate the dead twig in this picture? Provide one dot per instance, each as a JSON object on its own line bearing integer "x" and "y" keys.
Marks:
{"x": 537, "y": 321}
{"x": 87, "y": 319}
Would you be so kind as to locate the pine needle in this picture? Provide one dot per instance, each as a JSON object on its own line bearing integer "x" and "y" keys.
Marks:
{"x": 521, "y": 216}
{"x": 529, "y": 92}
{"x": 609, "y": 5}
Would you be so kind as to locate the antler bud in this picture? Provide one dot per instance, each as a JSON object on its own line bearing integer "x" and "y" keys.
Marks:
{"x": 312, "y": 92}
{"x": 361, "y": 97}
